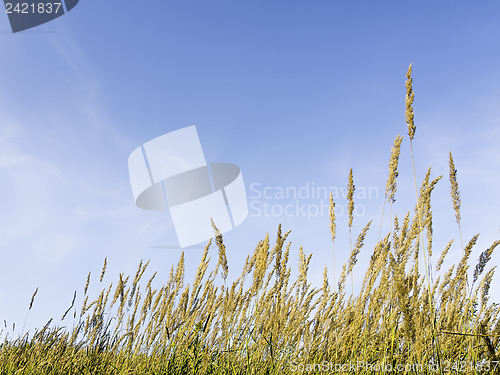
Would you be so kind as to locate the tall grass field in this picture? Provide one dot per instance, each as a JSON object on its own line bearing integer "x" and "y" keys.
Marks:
{"x": 406, "y": 319}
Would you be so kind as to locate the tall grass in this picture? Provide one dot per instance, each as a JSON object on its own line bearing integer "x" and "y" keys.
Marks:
{"x": 266, "y": 323}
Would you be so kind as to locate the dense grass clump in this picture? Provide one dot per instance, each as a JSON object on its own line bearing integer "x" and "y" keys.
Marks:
{"x": 403, "y": 320}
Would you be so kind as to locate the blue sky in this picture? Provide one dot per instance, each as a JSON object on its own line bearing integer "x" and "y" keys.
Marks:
{"x": 292, "y": 92}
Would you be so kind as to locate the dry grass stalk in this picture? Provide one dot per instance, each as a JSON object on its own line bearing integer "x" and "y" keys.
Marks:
{"x": 103, "y": 269}
{"x": 409, "y": 104}
{"x": 333, "y": 230}
{"x": 390, "y": 188}
{"x": 222, "y": 251}
{"x": 350, "y": 197}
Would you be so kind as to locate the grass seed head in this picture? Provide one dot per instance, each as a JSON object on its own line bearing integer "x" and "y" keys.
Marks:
{"x": 409, "y": 104}
{"x": 390, "y": 189}
{"x": 350, "y": 197}
{"x": 455, "y": 193}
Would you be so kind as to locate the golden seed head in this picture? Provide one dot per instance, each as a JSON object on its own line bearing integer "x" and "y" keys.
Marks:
{"x": 409, "y": 104}
{"x": 390, "y": 188}
{"x": 333, "y": 226}
{"x": 357, "y": 247}
{"x": 350, "y": 196}
{"x": 455, "y": 193}
{"x": 103, "y": 269}
{"x": 87, "y": 284}
{"x": 222, "y": 251}
{"x": 33, "y": 298}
